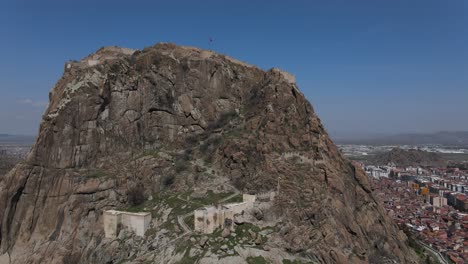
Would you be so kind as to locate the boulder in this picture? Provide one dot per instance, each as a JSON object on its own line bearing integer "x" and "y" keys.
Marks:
{"x": 226, "y": 232}
{"x": 252, "y": 234}
{"x": 257, "y": 213}
{"x": 258, "y": 240}
{"x": 203, "y": 240}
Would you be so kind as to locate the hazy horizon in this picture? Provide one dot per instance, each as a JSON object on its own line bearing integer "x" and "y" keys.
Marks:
{"x": 366, "y": 67}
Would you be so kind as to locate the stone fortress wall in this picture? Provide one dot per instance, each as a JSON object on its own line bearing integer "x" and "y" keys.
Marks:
{"x": 208, "y": 219}
{"x": 114, "y": 221}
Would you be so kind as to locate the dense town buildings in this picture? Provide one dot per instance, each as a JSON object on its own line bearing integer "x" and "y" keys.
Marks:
{"x": 14, "y": 150}
{"x": 430, "y": 202}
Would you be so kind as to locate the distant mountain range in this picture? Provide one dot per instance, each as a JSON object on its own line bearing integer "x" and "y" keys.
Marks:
{"x": 459, "y": 139}
{"x": 17, "y": 139}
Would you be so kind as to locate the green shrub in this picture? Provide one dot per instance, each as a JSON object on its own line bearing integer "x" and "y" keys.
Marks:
{"x": 136, "y": 195}
{"x": 168, "y": 180}
{"x": 257, "y": 260}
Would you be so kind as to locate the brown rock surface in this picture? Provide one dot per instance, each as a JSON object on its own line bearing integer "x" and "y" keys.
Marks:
{"x": 119, "y": 118}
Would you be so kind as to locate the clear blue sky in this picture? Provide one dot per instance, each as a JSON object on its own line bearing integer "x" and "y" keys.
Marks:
{"x": 367, "y": 66}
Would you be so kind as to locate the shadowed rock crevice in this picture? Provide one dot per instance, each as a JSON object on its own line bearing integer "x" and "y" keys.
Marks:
{"x": 11, "y": 213}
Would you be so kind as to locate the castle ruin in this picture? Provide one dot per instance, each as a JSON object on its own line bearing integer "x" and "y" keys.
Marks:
{"x": 114, "y": 221}
{"x": 208, "y": 219}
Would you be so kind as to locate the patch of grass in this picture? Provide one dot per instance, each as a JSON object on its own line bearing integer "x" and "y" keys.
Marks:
{"x": 135, "y": 209}
{"x": 236, "y": 199}
{"x": 243, "y": 230}
{"x": 185, "y": 246}
{"x": 95, "y": 174}
{"x": 151, "y": 152}
{"x": 180, "y": 207}
{"x": 147, "y": 205}
{"x": 211, "y": 198}
{"x": 169, "y": 225}
{"x": 257, "y": 260}
{"x": 190, "y": 221}
{"x": 186, "y": 259}
{"x": 215, "y": 246}
{"x": 151, "y": 232}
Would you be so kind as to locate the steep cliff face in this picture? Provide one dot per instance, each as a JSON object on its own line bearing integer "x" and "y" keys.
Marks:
{"x": 154, "y": 118}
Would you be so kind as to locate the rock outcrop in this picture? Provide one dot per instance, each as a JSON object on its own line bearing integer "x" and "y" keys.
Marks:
{"x": 160, "y": 119}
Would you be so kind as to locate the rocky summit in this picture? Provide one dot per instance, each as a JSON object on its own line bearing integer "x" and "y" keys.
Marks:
{"x": 170, "y": 129}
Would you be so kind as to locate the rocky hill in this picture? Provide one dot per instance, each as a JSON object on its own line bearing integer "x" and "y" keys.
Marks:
{"x": 411, "y": 157}
{"x": 181, "y": 127}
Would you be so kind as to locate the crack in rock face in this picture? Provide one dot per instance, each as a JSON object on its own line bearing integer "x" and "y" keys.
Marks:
{"x": 177, "y": 122}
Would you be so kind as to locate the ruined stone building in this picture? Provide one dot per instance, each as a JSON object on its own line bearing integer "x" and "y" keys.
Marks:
{"x": 114, "y": 221}
{"x": 208, "y": 219}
